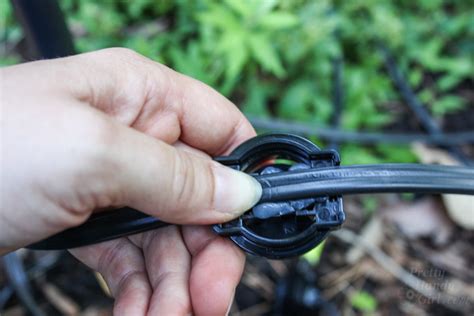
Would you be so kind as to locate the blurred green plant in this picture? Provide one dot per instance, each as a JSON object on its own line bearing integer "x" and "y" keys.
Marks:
{"x": 314, "y": 255}
{"x": 274, "y": 57}
{"x": 10, "y": 35}
{"x": 364, "y": 301}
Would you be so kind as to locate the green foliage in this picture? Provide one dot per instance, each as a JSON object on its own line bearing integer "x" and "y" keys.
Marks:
{"x": 275, "y": 56}
{"x": 10, "y": 35}
{"x": 370, "y": 204}
{"x": 314, "y": 255}
{"x": 446, "y": 104}
{"x": 364, "y": 302}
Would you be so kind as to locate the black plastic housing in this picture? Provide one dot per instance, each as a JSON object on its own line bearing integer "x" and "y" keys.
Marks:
{"x": 290, "y": 234}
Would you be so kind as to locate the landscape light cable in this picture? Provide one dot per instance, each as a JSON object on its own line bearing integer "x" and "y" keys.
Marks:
{"x": 360, "y": 137}
{"x": 301, "y": 202}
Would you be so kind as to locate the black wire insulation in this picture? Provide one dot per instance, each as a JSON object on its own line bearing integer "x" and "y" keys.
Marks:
{"x": 332, "y": 181}
{"x": 101, "y": 227}
{"x": 338, "y": 135}
{"x": 5, "y": 294}
{"x": 18, "y": 280}
{"x": 41, "y": 266}
{"x": 365, "y": 173}
{"x": 368, "y": 179}
{"x": 407, "y": 93}
{"x": 45, "y": 28}
{"x": 369, "y": 185}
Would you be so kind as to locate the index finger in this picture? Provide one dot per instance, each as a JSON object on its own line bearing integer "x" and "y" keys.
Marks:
{"x": 150, "y": 97}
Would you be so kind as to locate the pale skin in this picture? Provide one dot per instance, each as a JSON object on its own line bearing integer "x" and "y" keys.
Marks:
{"x": 112, "y": 128}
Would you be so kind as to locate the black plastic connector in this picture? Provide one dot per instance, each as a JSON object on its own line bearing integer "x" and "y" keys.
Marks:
{"x": 287, "y": 228}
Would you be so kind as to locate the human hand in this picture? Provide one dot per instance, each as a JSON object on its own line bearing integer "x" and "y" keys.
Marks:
{"x": 112, "y": 128}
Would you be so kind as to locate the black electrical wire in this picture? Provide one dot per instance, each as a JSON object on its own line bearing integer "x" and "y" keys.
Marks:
{"x": 364, "y": 173}
{"x": 410, "y": 98}
{"x": 42, "y": 264}
{"x": 18, "y": 280}
{"x": 102, "y": 227}
{"x": 5, "y": 294}
{"x": 407, "y": 93}
{"x": 338, "y": 135}
{"x": 381, "y": 178}
{"x": 44, "y": 28}
{"x": 332, "y": 181}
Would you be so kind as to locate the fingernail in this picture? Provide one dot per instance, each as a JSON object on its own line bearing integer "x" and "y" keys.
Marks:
{"x": 235, "y": 191}
{"x": 230, "y": 304}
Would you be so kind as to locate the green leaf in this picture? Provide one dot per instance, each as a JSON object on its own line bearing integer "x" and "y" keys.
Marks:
{"x": 377, "y": 119}
{"x": 237, "y": 61}
{"x": 364, "y": 301}
{"x": 322, "y": 107}
{"x": 136, "y": 7}
{"x": 415, "y": 77}
{"x": 396, "y": 153}
{"x": 9, "y": 60}
{"x": 266, "y": 55}
{"x": 370, "y": 204}
{"x": 264, "y": 6}
{"x": 295, "y": 100}
{"x": 220, "y": 18}
{"x": 426, "y": 96}
{"x": 357, "y": 155}
{"x": 447, "y": 104}
{"x": 256, "y": 102}
{"x": 244, "y": 8}
{"x": 233, "y": 48}
{"x": 449, "y": 81}
{"x": 457, "y": 66}
{"x": 314, "y": 255}
{"x": 279, "y": 20}
{"x": 193, "y": 62}
{"x": 228, "y": 86}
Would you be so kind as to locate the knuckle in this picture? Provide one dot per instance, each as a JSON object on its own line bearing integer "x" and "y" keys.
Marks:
{"x": 123, "y": 52}
{"x": 120, "y": 59}
{"x": 193, "y": 185}
{"x": 183, "y": 179}
{"x": 210, "y": 185}
{"x": 68, "y": 216}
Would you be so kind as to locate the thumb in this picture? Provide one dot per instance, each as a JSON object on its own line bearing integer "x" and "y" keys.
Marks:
{"x": 175, "y": 185}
